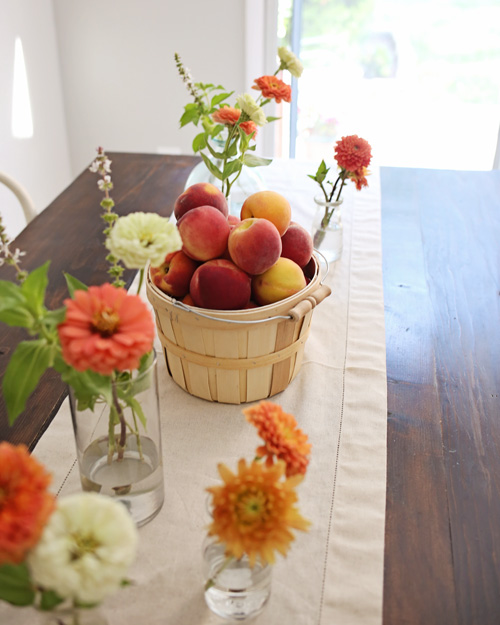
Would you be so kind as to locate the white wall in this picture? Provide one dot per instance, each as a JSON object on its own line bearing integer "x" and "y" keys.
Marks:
{"x": 121, "y": 86}
{"x": 40, "y": 163}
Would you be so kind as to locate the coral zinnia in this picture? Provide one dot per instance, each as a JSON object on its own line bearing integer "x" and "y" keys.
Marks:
{"x": 248, "y": 127}
{"x": 226, "y": 115}
{"x": 254, "y": 511}
{"x": 25, "y": 504}
{"x": 282, "y": 438}
{"x": 352, "y": 153}
{"x": 359, "y": 177}
{"x": 273, "y": 87}
{"x": 105, "y": 329}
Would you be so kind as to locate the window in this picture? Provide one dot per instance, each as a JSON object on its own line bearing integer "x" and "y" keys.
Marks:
{"x": 418, "y": 79}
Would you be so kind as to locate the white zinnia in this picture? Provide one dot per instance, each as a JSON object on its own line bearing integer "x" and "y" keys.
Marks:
{"x": 86, "y": 548}
{"x": 141, "y": 237}
{"x": 249, "y": 106}
{"x": 290, "y": 61}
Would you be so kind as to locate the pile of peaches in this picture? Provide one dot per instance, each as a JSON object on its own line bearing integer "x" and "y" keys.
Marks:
{"x": 231, "y": 263}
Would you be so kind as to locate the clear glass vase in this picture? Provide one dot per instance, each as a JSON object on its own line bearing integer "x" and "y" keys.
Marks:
{"x": 233, "y": 590}
{"x": 119, "y": 446}
{"x": 327, "y": 229}
{"x": 247, "y": 183}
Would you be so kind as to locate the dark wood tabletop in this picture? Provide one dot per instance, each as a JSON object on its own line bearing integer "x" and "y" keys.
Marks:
{"x": 441, "y": 265}
{"x": 441, "y": 268}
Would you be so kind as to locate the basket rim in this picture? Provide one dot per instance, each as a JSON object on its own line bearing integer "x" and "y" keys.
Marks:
{"x": 259, "y": 314}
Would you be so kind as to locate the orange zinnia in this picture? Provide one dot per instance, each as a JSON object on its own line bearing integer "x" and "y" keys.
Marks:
{"x": 254, "y": 511}
{"x": 359, "y": 177}
{"x": 105, "y": 329}
{"x": 282, "y": 438}
{"x": 248, "y": 127}
{"x": 226, "y": 115}
{"x": 25, "y": 504}
{"x": 273, "y": 87}
{"x": 352, "y": 153}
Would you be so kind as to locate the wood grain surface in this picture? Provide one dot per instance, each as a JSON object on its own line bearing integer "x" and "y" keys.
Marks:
{"x": 441, "y": 267}
{"x": 69, "y": 234}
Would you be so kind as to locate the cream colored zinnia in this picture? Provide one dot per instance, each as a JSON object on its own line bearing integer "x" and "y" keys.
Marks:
{"x": 86, "y": 548}
{"x": 249, "y": 106}
{"x": 141, "y": 237}
{"x": 290, "y": 62}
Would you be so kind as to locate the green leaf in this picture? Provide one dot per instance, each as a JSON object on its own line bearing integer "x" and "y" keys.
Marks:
{"x": 11, "y": 295}
{"x": 15, "y": 585}
{"x": 250, "y": 160}
{"x": 220, "y": 97}
{"x": 14, "y": 308}
{"x": 137, "y": 408}
{"x": 53, "y": 318}
{"x": 191, "y": 114}
{"x": 28, "y": 363}
{"x": 272, "y": 119}
{"x": 218, "y": 155}
{"x": 231, "y": 167}
{"x": 34, "y": 287}
{"x": 49, "y": 600}
{"x": 217, "y": 129}
{"x": 17, "y": 316}
{"x": 213, "y": 169}
{"x": 200, "y": 142}
{"x": 74, "y": 284}
{"x": 88, "y": 386}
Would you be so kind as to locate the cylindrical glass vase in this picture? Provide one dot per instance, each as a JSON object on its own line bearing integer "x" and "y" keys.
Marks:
{"x": 234, "y": 590}
{"x": 119, "y": 445}
{"x": 247, "y": 183}
{"x": 327, "y": 229}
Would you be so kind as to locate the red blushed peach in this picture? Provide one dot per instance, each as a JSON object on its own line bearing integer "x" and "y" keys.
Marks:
{"x": 219, "y": 284}
{"x": 188, "y": 300}
{"x": 233, "y": 220}
{"x": 200, "y": 194}
{"x": 174, "y": 274}
{"x": 204, "y": 232}
{"x": 297, "y": 244}
{"x": 268, "y": 205}
{"x": 283, "y": 279}
{"x": 254, "y": 245}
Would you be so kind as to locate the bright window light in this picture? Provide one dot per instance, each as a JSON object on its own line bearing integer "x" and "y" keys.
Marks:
{"x": 22, "y": 120}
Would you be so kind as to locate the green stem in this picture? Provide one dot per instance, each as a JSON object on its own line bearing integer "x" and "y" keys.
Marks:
{"x": 141, "y": 280}
{"x": 123, "y": 426}
{"x": 137, "y": 435}
{"x": 211, "y": 581}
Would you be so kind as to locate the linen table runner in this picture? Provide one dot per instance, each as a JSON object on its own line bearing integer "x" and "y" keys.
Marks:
{"x": 334, "y": 573}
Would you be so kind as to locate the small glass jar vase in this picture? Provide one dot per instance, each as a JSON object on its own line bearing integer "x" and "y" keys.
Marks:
{"x": 64, "y": 615}
{"x": 234, "y": 590}
{"x": 248, "y": 182}
{"x": 118, "y": 444}
{"x": 327, "y": 228}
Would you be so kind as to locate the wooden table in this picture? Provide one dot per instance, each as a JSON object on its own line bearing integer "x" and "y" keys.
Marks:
{"x": 440, "y": 233}
{"x": 441, "y": 266}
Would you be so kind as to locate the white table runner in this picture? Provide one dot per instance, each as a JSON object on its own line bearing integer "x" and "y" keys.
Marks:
{"x": 334, "y": 573}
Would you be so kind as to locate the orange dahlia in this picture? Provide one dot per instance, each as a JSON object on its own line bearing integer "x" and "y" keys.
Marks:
{"x": 226, "y": 115}
{"x": 248, "y": 127}
{"x": 105, "y": 329}
{"x": 273, "y": 87}
{"x": 282, "y": 438}
{"x": 25, "y": 504}
{"x": 254, "y": 511}
{"x": 359, "y": 177}
{"x": 352, "y": 153}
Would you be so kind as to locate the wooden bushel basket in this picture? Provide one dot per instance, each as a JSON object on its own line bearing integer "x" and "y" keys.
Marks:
{"x": 235, "y": 356}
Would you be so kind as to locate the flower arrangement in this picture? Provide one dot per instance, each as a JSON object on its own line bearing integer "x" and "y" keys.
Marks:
{"x": 353, "y": 155}
{"x": 75, "y": 550}
{"x": 101, "y": 334}
{"x": 234, "y": 126}
{"x": 254, "y": 511}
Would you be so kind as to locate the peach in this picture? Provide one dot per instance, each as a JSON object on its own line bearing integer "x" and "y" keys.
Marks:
{"x": 254, "y": 245}
{"x": 200, "y": 194}
{"x": 233, "y": 220}
{"x": 204, "y": 232}
{"x": 174, "y": 275}
{"x": 283, "y": 279}
{"x": 297, "y": 244}
{"x": 268, "y": 205}
{"x": 221, "y": 285}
